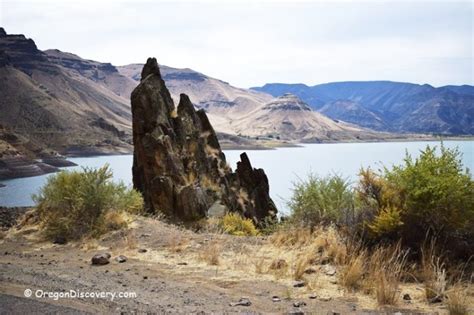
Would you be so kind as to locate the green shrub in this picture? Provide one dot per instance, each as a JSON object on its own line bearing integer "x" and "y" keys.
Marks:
{"x": 321, "y": 200}
{"x": 73, "y": 204}
{"x": 234, "y": 224}
{"x": 429, "y": 194}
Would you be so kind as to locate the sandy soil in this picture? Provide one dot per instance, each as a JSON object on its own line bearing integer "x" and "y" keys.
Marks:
{"x": 172, "y": 276}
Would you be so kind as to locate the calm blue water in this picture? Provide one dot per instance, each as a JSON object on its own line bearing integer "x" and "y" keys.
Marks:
{"x": 283, "y": 166}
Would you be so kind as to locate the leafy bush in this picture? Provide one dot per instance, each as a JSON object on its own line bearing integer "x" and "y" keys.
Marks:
{"x": 234, "y": 224}
{"x": 73, "y": 204}
{"x": 321, "y": 200}
{"x": 428, "y": 194}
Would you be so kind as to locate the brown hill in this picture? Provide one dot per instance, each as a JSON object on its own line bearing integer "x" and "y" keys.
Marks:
{"x": 54, "y": 104}
{"x": 289, "y": 118}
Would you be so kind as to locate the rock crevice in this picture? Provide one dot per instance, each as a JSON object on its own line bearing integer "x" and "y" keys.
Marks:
{"x": 178, "y": 163}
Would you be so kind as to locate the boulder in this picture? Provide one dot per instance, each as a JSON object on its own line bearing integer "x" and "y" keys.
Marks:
{"x": 178, "y": 164}
{"x": 101, "y": 259}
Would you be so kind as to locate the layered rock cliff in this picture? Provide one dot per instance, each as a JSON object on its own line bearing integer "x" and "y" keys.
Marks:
{"x": 178, "y": 164}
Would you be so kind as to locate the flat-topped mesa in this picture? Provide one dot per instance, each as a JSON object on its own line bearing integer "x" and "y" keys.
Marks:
{"x": 287, "y": 102}
{"x": 178, "y": 164}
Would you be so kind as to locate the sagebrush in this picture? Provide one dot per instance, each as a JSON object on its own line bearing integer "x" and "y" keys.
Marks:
{"x": 74, "y": 204}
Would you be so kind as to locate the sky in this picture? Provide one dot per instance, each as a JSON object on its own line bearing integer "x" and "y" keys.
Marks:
{"x": 250, "y": 43}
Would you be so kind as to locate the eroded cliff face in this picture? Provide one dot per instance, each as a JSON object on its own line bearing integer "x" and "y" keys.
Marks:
{"x": 178, "y": 164}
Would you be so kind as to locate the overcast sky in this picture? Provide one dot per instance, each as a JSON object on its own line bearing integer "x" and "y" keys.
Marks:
{"x": 250, "y": 43}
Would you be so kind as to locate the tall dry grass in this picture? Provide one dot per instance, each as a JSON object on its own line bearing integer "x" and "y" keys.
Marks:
{"x": 210, "y": 253}
{"x": 352, "y": 273}
{"x": 385, "y": 270}
{"x": 457, "y": 300}
{"x": 300, "y": 267}
{"x": 176, "y": 241}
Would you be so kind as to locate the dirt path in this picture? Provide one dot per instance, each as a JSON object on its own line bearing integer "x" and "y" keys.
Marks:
{"x": 167, "y": 278}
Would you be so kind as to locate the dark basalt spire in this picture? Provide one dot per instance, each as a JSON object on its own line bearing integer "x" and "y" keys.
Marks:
{"x": 178, "y": 164}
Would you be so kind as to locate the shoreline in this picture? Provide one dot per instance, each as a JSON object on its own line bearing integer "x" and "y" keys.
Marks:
{"x": 265, "y": 146}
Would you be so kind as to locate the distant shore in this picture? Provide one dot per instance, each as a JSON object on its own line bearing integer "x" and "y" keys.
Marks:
{"x": 249, "y": 145}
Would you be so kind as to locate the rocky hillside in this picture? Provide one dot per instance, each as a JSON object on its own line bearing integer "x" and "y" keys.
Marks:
{"x": 252, "y": 114}
{"x": 53, "y": 101}
{"x": 222, "y": 102}
{"x": 353, "y": 111}
{"x": 178, "y": 164}
{"x": 390, "y": 106}
{"x": 288, "y": 117}
{"x": 215, "y": 96}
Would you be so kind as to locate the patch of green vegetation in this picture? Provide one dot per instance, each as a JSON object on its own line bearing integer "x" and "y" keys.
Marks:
{"x": 428, "y": 196}
{"x": 234, "y": 224}
{"x": 319, "y": 200}
{"x": 74, "y": 204}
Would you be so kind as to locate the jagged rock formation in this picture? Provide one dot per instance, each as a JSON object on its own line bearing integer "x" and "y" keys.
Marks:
{"x": 178, "y": 164}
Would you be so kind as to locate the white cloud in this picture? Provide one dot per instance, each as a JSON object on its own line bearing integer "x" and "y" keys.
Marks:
{"x": 250, "y": 43}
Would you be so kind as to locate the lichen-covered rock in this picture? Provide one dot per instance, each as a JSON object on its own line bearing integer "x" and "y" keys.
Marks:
{"x": 178, "y": 164}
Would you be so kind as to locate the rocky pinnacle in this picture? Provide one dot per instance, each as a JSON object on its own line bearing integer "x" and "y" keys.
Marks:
{"x": 178, "y": 164}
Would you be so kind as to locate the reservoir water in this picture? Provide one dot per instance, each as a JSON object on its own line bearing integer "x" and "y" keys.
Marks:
{"x": 283, "y": 166}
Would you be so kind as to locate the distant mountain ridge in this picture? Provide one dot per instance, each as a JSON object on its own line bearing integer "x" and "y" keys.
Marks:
{"x": 54, "y": 101}
{"x": 57, "y": 102}
{"x": 248, "y": 113}
{"x": 390, "y": 106}
{"x": 288, "y": 117}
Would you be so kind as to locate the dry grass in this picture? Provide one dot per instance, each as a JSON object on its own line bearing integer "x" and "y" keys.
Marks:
{"x": 89, "y": 244}
{"x": 279, "y": 268}
{"x": 435, "y": 285}
{"x": 386, "y": 268}
{"x": 259, "y": 265}
{"x": 299, "y": 269}
{"x": 352, "y": 274}
{"x": 433, "y": 272}
{"x": 210, "y": 253}
{"x": 278, "y": 264}
{"x": 243, "y": 197}
{"x": 457, "y": 300}
{"x": 130, "y": 240}
{"x": 212, "y": 225}
{"x": 337, "y": 251}
{"x": 206, "y": 182}
{"x": 292, "y": 237}
{"x": 115, "y": 220}
{"x": 176, "y": 241}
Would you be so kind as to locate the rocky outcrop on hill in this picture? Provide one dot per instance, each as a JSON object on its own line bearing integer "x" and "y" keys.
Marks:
{"x": 178, "y": 163}
{"x": 289, "y": 118}
{"x": 22, "y": 53}
{"x": 287, "y": 102}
